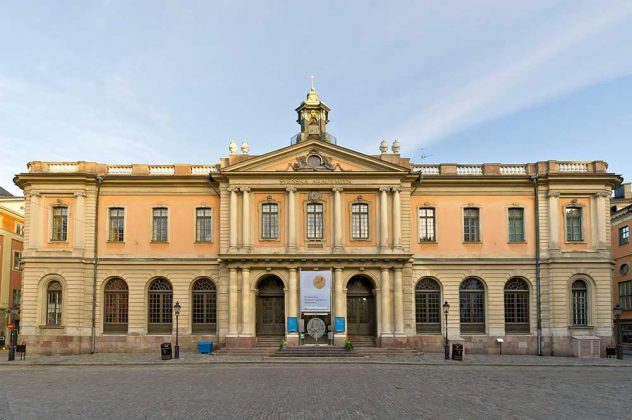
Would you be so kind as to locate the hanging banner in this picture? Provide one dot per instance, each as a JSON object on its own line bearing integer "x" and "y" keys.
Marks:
{"x": 316, "y": 291}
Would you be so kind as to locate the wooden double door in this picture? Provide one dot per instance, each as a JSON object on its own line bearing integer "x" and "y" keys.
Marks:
{"x": 271, "y": 307}
{"x": 361, "y": 313}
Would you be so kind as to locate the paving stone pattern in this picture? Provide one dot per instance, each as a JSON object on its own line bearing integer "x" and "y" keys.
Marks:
{"x": 328, "y": 391}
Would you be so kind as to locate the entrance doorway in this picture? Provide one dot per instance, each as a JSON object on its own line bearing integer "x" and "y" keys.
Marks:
{"x": 361, "y": 317}
{"x": 271, "y": 307}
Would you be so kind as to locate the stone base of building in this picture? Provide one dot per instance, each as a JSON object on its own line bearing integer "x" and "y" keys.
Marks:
{"x": 393, "y": 342}
{"x": 241, "y": 342}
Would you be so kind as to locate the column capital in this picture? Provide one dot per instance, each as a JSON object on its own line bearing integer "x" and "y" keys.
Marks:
{"x": 232, "y": 269}
{"x": 338, "y": 269}
{"x": 601, "y": 194}
{"x": 397, "y": 189}
{"x": 245, "y": 189}
{"x": 385, "y": 189}
{"x": 398, "y": 269}
{"x": 246, "y": 269}
{"x": 232, "y": 189}
{"x": 337, "y": 189}
{"x": 555, "y": 194}
{"x": 291, "y": 189}
{"x": 80, "y": 194}
{"x": 292, "y": 269}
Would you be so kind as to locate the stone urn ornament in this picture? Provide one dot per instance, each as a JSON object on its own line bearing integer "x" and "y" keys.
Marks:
{"x": 383, "y": 146}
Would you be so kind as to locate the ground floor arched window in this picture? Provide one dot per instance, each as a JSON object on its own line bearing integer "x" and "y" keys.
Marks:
{"x": 115, "y": 305}
{"x": 428, "y": 306}
{"x": 204, "y": 309}
{"x": 160, "y": 306}
{"x": 516, "y": 306}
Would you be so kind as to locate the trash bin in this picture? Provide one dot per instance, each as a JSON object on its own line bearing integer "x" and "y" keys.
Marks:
{"x": 205, "y": 347}
{"x": 165, "y": 351}
{"x": 457, "y": 351}
{"x": 3, "y": 341}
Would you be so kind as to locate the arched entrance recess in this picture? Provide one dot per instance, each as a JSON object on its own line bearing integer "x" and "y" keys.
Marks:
{"x": 271, "y": 307}
{"x": 361, "y": 315}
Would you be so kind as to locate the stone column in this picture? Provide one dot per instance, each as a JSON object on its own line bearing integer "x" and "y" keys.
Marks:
{"x": 601, "y": 220}
{"x": 246, "y": 328}
{"x": 383, "y": 218}
{"x": 340, "y": 307}
{"x": 398, "y": 302}
{"x": 34, "y": 226}
{"x": 387, "y": 309}
{"x": 291, "y": 219}
{"x": 245, "y": 219}
{"x": 554, "y": 225}
{"x": 233, "y": 302}
{"x": 80, "y": 217}
{"x": 292, "y": 309}
{"x": 233, "y": 218}
{"x": 397, "y": 218}
{"x": 337, "y": 220}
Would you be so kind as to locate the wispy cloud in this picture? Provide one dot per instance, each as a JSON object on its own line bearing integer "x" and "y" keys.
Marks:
{"x": 545, "y": 65}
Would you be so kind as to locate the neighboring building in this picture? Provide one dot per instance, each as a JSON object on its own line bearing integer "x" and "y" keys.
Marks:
{"x": 11, "y": 242}
{"x": 230, "y": 242}
{"x": 622, "y": 280}
{"x": 622, "y": 197}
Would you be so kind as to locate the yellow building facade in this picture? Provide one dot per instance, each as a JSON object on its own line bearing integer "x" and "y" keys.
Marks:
{"x": 519, "y": 251}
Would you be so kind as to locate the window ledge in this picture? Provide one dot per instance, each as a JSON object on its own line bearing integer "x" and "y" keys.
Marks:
{"x": 472, "y": 242}
{"x": 583, "y": 241}
{"x": 52, "y": 327}
{"x": 158, "y": 242}
{"x": 581, "y": 327}
{"x": 517, "y": 242}
{"x": 52, "y": 241}
{"x": 427, "y": 242}
{"x": 115, "y": 242}
{"x": 269, "y": 240}
{"x": 202, "y": 242}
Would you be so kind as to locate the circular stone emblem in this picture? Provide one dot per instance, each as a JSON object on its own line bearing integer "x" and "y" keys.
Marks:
{"x": 319, "y": 282}
{"x": 316, "y": 327}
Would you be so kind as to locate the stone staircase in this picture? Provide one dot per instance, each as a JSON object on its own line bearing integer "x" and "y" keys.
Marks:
{"x": 365, "y": 346}
{"x": 362, "y": 341}
{"x": 265, "y": 347}
{"x": 315, "y": 351}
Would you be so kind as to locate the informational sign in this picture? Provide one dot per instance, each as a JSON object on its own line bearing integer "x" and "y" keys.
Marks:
{"x": 316, "y": 291}
{"x": 340, "y": 324}
{"x": 292, "y": 324}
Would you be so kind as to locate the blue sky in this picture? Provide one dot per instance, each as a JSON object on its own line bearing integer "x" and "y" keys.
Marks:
{"x": 175, "y": 81}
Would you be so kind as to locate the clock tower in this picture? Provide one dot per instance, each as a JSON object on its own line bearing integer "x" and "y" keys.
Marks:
{"x": 313, "y": 116}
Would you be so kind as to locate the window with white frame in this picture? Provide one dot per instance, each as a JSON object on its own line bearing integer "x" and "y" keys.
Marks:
{"x": 203, "y": 224}
{"x": 574, "y": 231}
{"x": 427, "y": 224}
{"x": 315, "y": 226}
{"x": 625, "y": 295}
{"x": 117, "y": 225}
{"x": 17, "y": 256}
{"x": 269, "y": 221}
{"x": 60, "y": 224}
{"x": 19, "y": 229}
{"x": 359, "y": 221}
{"x": 53, "y": 304}
{"x": 160, "y": 224}
{"x": 624, "y": 235}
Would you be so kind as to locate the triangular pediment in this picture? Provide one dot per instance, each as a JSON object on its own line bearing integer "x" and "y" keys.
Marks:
{"x": 315, "y": 156}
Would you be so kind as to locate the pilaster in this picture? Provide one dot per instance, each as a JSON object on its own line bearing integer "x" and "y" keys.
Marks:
{"x": 337, "y": 220}
{"x": 233, "y": 218}
{"x": 384, "y": 218}
{"x": 245, "y": 219}
{"x": 291, "y": 223}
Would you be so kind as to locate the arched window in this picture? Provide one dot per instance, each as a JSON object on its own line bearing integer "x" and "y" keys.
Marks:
{"x": 516, "y": 306}
{"x": 53, "y": 304}
{"x": 160, "y": 306}
{"x": 579, "y": 292}
{"x": 428, "y": 306}
{"x": 204, "y": 298}
{"x": 115, "y": 306}
{"x": 472, "y": 306}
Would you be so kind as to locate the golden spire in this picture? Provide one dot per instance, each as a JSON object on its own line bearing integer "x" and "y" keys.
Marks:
{"x": 312, "y": 96}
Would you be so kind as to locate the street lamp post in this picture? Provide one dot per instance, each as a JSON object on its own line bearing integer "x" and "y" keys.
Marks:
{"x": 618, "y": 311}
{"x": 446, "y": 309}
{"x": 177, "y": 308}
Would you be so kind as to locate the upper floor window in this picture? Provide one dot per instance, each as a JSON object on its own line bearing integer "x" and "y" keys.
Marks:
{"x": 17, "y": 256}
{"x": 360, "y": 221}
{"x": 203, "y": 224}
{"x": 16, "y": 297}
{"x": 574, "y": 224}
{"x": 624, "y": 235}
{"x": 427, "y": 224}
{"x": 269, "y": 221}
{"x": 315, "y": 221}
{"x": 160, "y": 219}
{"x": 516, "y": 224}
{"x": 60, "y": 223}
{"x": 471, "y": 225}
{"x": 19, "y": 228}
{"x": 625, "y": 295}
{"x": 579, "y": 292}
{"x": 117, "y": 224}
{"x": 53, "y": 304}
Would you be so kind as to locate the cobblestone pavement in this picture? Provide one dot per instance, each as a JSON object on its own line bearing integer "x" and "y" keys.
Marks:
{"x": 275, "y": 391}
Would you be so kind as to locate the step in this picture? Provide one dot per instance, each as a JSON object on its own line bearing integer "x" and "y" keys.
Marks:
{"x": 314, "y": 352}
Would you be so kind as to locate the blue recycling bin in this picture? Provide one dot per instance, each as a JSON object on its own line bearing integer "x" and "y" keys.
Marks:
{"x": 205, "y": 347}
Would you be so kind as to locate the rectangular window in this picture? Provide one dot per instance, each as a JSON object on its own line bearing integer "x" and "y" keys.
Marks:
{"x": 17, "y": 255}
{"x": 625, "y": 295}
{"x": 269, "y": 221}
{"x": 60, "y": 224}
{"x": 19, "y": 229}
{"x": 574, "y": 224}
{"x": 203, "y": 225}
{"x": 360, "y": 221}
{"x": 315, "y": 221}
{"x": 15, "y": 298}
{"x": 516, "y": 224}
{"x": 624, "y": 235}
{"x": 160, "y": 225}
{"x": 427, "y": 224}
{"x": 117, "y": 224}
{"x": 471, "y": 226}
